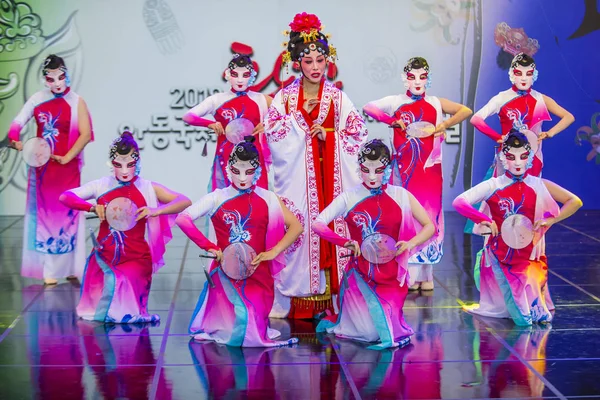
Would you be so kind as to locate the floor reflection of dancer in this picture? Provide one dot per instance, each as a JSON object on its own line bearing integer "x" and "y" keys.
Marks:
{"x": 235, "y": 311}
{"x": 226, "y": 369}
{"x": 521, "y": 107}
{"x": 424, "y": 363}
{"x": 54, "y": 237}
{"x": 120, "y": 358}
{"x": 412, "y": 372}
{"x": 513, "y": 280}
{"x": 310, "y": 371}
{"x": 239, "y": 102}
{"x": 503, "y": 372}
{"x": 314, "y": 132}
{"x": 54, "y": 353}
{"x": 418, "y": 161}
{"x": 380, "y": 374}
{"x": 373, "y": 295}
{"x": 118, "y": 273}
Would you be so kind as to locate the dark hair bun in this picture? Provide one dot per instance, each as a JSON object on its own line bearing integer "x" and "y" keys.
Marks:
{"x": 522, "y": 60}
{"x": 123, "y": 145}
{"x": 416, "y": 63}
{"x": 53, "y": 62}
{"x": 245, "y": 151}
{"x": 242, "y": 61}
{"x": 375, "y": 150}
{"x": 515, "y": 139}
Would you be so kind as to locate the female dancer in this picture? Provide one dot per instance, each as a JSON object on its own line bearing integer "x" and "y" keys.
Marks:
{"x": 418, "y": 160}
{"x": 236, "y": 311}
{"x": 372, "y": 295}
{"x": 54, "y": 237}
{"x": 522, "y": 108}
{"x": 513, "y": 268}
{"x": 314, "y": 133}
{"x": 118, "y": 273}
{"x": 227, "y": 107}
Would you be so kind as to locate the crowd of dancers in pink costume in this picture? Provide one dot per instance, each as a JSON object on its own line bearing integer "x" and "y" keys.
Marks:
{"x": 308, "y": 218}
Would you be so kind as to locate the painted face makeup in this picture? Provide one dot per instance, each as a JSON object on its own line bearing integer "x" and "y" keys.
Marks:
{"x": 522, "y": 77}
{"x": 516, "y": 160}
{"x": 56, "y": 80}
{"x": 313, "y": 66}
{"x": 239, "y": 78}
{"x": 416, "y": 80}
{"x": 242, "y": 174}
{"x": 371, "y": 173}
{"x": 124, "y": 166}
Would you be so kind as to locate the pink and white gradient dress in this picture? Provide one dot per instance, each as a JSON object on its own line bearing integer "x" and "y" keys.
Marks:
{"x": 513, "y": 283}
{"x": 236, "y": 312}
{"x": 417, "y": 167}
{"x": 371, "y": 303}
{"x": 54, "y": 235}
{"x": 516, "y": 109}
{"x": 118, "y": 275}
{"x": 226, "y": 108}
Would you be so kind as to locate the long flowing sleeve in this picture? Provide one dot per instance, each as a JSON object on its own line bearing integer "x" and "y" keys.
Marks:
{"x": 337, "y": 208}
{"x": 382, "y": 109}
{"x": 186, "y": 219}
{"x": 277, "y": 122}
{"x": 195, "y": 115}
{"x": 352, "y": 130}
{"x": 75, "y": 202}
{"x": 464, "y": 202}
{"x": 478, "y": 120}
{"x": 14, "y": 132}
{"x": 76, "y": 198}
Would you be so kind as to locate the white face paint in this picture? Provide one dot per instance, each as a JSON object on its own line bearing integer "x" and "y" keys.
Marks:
{"x": 516, "y": 160}
{"x": 371, "y": 173}
{"x": 522, "y": 77}
{"x": 242, "y": 174}
{"x": 124, "y": 166}
{"x": 416, "y": 80}
{"x": 239, "y": 78}
{"x": 56, "y": 80}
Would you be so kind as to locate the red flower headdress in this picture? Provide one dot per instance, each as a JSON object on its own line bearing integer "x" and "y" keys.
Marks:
{"x": 309, "y": 27}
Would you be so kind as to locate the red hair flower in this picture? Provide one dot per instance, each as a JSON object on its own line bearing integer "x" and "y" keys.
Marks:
{"x": 305, "y": 22}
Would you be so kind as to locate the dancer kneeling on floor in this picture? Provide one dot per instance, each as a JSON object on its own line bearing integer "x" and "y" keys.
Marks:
{"x": 518, "y": 208}
{"x": 253, "y": 228}
{"x": 383, "y": 222}
{"x": 131, "y": 241}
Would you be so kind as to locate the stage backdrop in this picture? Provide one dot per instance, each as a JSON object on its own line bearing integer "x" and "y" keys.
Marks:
{"x": 142, "y": 64}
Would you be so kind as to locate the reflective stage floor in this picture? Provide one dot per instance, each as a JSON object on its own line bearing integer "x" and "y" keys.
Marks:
{"x": 47, "y": 353}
